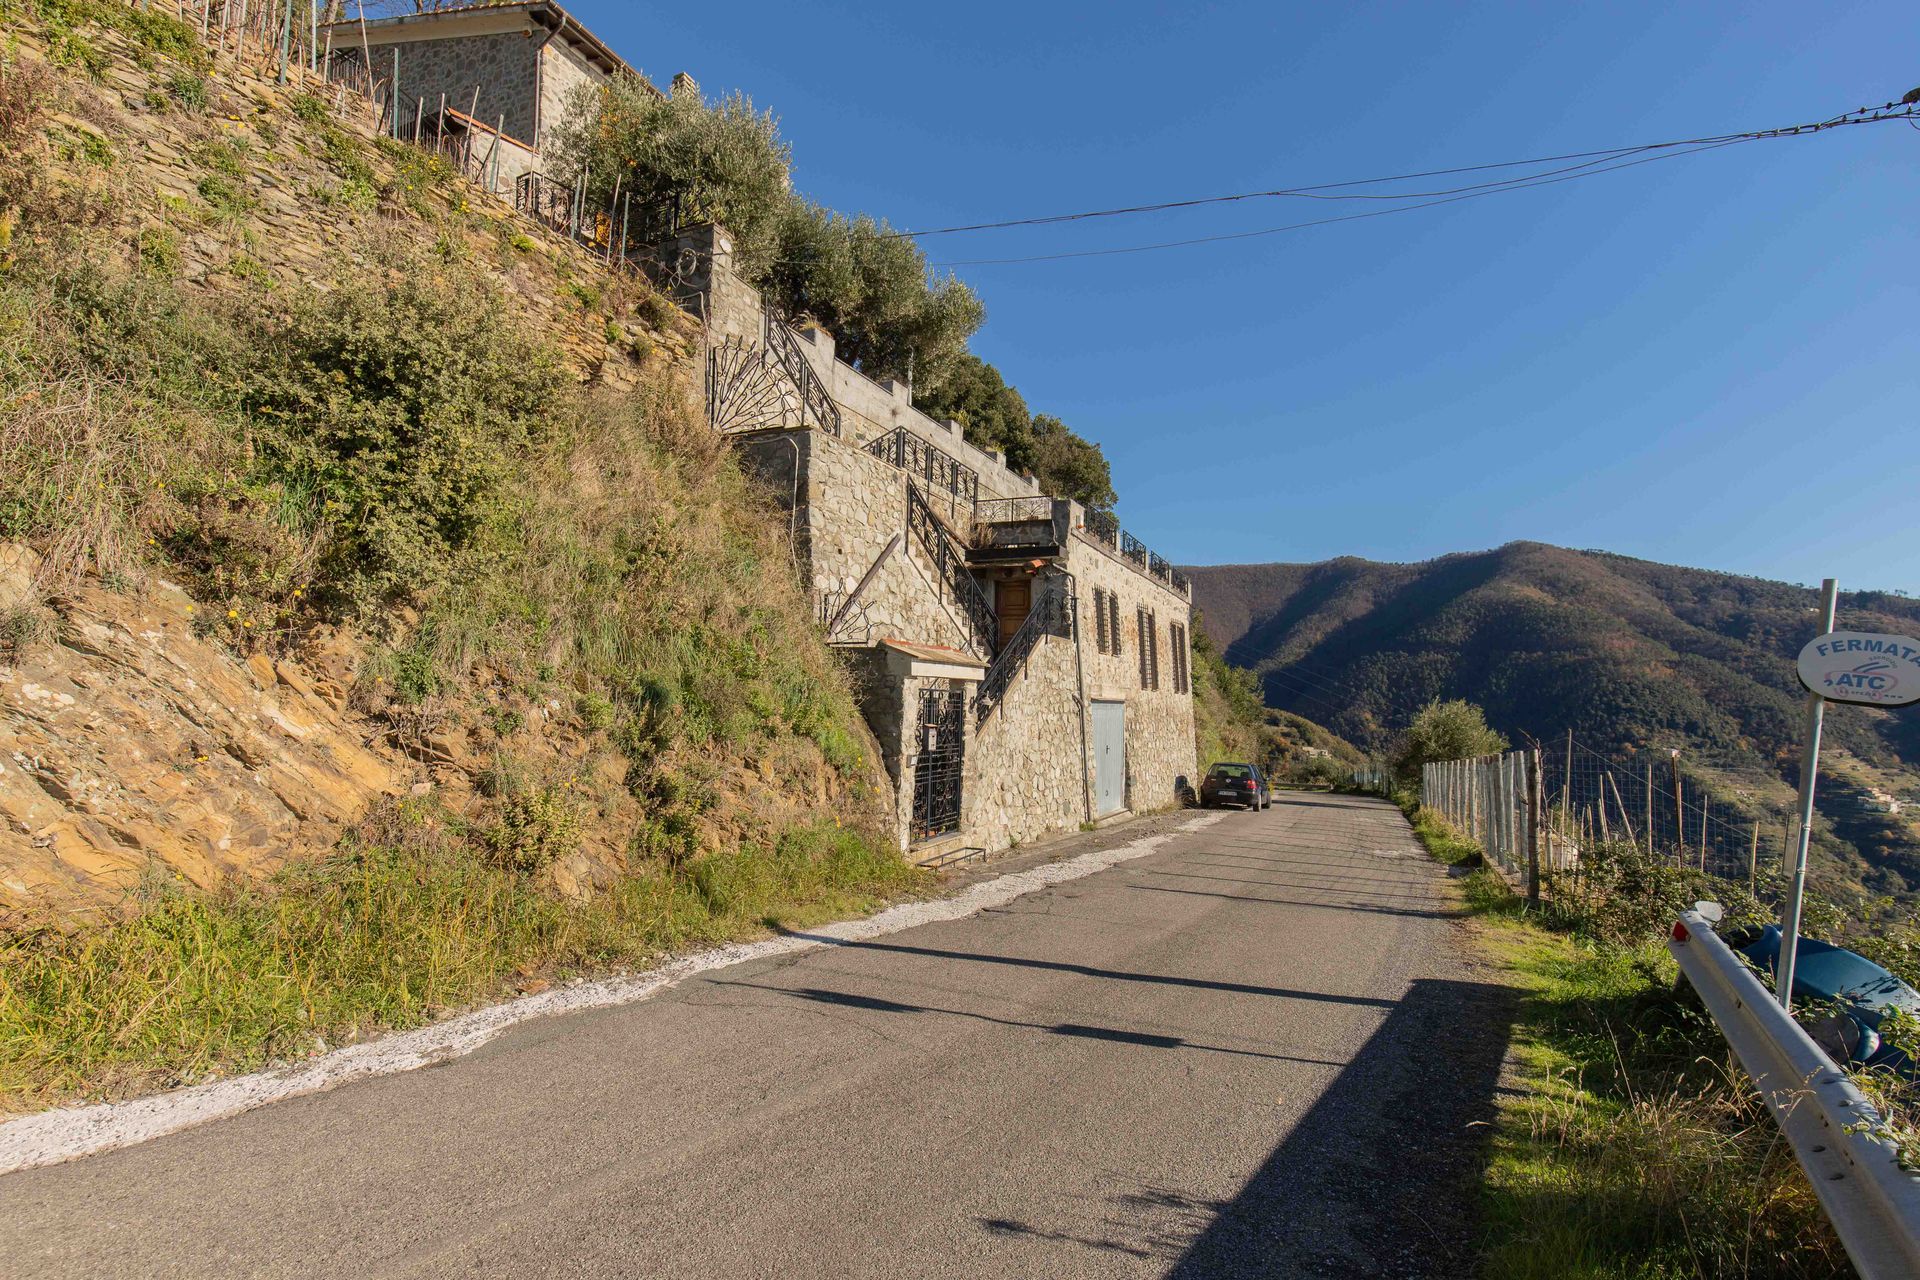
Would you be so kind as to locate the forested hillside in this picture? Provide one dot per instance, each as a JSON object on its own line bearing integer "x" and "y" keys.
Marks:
{"x": 1627, "y": 653}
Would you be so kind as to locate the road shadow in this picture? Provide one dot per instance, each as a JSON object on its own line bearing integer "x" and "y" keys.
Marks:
{"x": 1090, "y": 971}
{"x": 1450, "y": 913}
{"x": 1380, "y": 1177}
{"x": 1072, "y": 1030}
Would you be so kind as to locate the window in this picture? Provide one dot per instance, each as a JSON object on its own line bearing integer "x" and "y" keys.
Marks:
{"x": 1149, "y": 648}
{"x": 1113, "y": 622}
{"x": 1177, "y": 639}
{"x": 1100, "y": 619}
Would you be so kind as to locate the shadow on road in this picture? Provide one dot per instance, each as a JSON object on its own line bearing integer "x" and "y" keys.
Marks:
{"x": 1373, "y": 908}
{"x": 1089, "y": 971}
{"x": 1075, "y": 1030}
{"x": 1378, "y": 1178}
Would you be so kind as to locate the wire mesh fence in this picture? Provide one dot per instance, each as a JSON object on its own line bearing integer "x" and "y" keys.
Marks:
{"x": 1535, "y": 812}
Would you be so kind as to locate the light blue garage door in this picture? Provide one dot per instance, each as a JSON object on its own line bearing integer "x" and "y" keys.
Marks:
{"x": 1109, "y": 757}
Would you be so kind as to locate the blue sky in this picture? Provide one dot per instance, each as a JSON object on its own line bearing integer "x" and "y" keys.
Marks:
{"x": 1709, "y": 360}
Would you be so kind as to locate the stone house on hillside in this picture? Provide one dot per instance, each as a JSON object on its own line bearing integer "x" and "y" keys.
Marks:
{"x": 496, "y": 77}
{"x": 1023, "y": 662}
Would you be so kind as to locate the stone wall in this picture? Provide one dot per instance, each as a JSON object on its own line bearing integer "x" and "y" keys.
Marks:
{"x": 563, "y": 69}
{"x": 504, "y": 67}
{"x": 1027, "y": 767}
{"x": 700, "y": 261}
{"x": 851, "y": 507}
{"x": 1160, "y": 747}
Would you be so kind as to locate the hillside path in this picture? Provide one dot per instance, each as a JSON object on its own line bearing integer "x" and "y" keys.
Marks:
{"x": 1259, "y": 1050}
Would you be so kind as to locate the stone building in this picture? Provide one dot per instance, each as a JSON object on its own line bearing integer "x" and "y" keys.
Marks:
{"x": 1023, "y": 661}
{"x": 495, "y": 76}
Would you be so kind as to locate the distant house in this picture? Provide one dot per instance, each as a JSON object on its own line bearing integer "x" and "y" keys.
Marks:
{"x": 495, "y": 77}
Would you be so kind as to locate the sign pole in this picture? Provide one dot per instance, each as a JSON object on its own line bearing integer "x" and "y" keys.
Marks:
{"x": 1809, "y": 766}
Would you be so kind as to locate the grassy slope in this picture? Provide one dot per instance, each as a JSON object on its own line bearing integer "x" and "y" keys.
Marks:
{"x": 567, "y": 605}
{"x": 1629, "y": 1145}
{"x": 1625, "y": 652}
{"x": 1231, "y": 722}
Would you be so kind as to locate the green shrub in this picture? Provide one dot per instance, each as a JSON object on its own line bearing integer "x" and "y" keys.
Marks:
{"x": 222, "y": 155}
{"x": 225, "y": 198}
{"x": 159, "y": 249}
{"x": 410, "y": 411}
{"x": 535, "y": 829}
{"x": 189, "y": 90}
{"x": 347, "y": 156}
{"x": 309, "y": 108}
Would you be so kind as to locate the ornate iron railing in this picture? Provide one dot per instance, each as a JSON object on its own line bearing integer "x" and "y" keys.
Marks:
{"x": 1011, "y": 510}
{"x": 784, "y": 349}
{"x": 950, "y": 565}
{"x": 956, "y": 482}
{"x": 1105, "y": 526}
{"x": 1052, "y": 614}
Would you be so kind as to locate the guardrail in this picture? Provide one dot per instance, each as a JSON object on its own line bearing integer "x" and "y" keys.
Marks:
{"x": 1836, "y": 1133}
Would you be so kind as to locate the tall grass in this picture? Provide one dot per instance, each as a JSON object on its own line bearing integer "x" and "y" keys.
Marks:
{"x": 1632, "y": 1147}
{"x": 401, "y": 462}
{"x": 400, "y": 927}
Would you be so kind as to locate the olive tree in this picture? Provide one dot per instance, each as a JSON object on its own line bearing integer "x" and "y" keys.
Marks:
{"x": 1453, "y": 730}
{"x": 725, "y": 159}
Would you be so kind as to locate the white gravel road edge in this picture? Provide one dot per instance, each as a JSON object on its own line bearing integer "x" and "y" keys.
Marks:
{"x": 52, "y": 1137}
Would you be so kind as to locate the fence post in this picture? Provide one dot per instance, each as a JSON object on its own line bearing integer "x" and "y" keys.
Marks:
{"x": 1534, "y": 816}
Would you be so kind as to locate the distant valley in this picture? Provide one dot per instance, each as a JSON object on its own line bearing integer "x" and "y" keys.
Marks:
{"x": 1627, "y": 653}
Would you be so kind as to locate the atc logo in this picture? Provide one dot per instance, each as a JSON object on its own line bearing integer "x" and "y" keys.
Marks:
{"x": 1876, "y": 679}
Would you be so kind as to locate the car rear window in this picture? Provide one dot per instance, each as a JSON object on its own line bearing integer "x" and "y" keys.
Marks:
{"x": 1231, "y": 771}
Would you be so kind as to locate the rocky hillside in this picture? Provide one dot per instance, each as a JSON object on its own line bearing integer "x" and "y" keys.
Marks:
{"x": 1626, "y": 653}
{"x": 325, "y": 481}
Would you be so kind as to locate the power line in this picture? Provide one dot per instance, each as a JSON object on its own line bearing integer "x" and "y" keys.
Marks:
{"x": 1322, "y": 222}
{"x": 1861, "y": 115}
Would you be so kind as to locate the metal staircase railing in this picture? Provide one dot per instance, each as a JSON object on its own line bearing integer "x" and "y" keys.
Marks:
{"x": 784, "y": 350}
{"x": 950, "y": 565}
{"x": 958, "y": 483}
{"x": 1053, "y": 614}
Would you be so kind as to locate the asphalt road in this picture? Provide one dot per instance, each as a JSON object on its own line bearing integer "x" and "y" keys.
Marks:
{"x": 1258, "y": 1051}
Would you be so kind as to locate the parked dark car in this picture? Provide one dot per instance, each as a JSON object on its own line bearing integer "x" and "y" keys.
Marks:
{"x": 1857, "y": 994}
{"x": 1241, "y": 784}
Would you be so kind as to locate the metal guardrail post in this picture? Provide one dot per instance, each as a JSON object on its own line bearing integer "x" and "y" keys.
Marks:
{"x": 1836, "y": 1134}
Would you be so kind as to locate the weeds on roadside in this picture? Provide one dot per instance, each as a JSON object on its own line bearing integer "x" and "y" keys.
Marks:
{"x": 404, "y": 925}
{"x": 1636, "y": 1148}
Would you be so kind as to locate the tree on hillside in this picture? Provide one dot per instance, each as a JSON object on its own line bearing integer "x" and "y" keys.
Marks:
{"x": 890, "y": 317}
{"x": 727, "y": 160}
{"x": 1452, "y": 730}
{"x": 992, "y": 414}
{"x": 1069, "y": 466}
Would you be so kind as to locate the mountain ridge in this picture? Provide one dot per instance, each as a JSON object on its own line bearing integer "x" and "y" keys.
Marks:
{"x": 1630, "y": 654}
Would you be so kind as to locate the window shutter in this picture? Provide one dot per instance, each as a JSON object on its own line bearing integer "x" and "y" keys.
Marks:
{"x": 1146, "y": 640}
{"x": 1113, "y": 621}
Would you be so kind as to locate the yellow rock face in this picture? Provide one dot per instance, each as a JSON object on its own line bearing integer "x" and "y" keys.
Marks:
{"x": 129, "y": 742}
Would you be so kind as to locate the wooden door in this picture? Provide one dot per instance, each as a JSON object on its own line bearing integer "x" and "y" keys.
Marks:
{"x": 1011, "y": 601}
